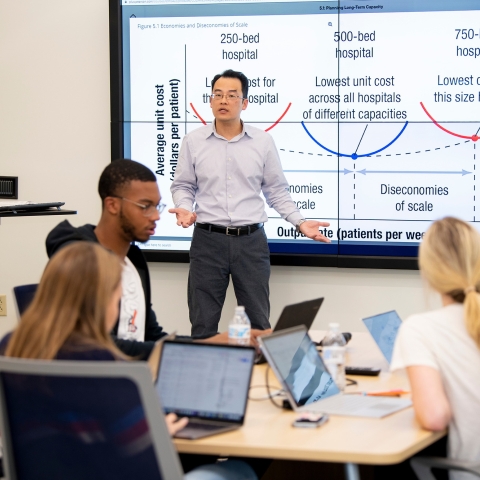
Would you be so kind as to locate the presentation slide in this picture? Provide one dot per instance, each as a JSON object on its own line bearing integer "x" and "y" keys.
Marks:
{"x": 373, "y": 106}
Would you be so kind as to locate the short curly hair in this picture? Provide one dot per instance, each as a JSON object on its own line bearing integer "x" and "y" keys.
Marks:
{"x": 120, "y": 172}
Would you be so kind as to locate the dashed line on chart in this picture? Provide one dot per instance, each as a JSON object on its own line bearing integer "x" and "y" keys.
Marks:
{"x": 267, "y": 129}
{"x": 428, "y": 150}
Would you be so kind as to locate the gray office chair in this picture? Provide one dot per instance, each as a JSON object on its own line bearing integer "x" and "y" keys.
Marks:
{"x": 422, "y": 466}
{"x": 76, "y": 420}
{"x": 23, "y": 296}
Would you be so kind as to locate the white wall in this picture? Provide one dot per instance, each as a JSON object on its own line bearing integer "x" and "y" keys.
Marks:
{"x": 54, "y": 135}
{"x": 349, "y": 294}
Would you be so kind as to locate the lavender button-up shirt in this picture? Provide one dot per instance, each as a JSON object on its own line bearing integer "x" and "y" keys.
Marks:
{"x": 226, "y": 177}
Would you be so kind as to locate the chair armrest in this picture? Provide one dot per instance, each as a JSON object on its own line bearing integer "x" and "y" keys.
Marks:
{"x": 422, "y": 466}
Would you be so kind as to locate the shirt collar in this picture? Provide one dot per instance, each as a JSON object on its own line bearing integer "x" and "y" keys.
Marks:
{"x": 245, "y": 130}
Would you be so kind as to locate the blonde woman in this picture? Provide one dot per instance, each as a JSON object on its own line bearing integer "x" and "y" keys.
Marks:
{"x": 75, "y": 307}
{"x": 441, "y": 349}
{"x": 70, "y": 318}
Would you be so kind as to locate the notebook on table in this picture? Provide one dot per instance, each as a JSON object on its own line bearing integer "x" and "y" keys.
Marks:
{"x": 207, "y": 383}
{"x": 308, "y": 385}
{"x": 384, "y": 329}
{"x": 302, "y": 313}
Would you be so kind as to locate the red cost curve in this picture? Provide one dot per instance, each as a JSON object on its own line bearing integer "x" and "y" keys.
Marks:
{"x": 269, "y": 128}
{"x": 283, "y": 114}
{"x": 197, "y": 114}
{"x": 470, "y": 137}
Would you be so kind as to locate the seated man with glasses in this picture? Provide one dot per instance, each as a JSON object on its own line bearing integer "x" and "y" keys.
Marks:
{"x": 130, "y": 210}
{"x": 223, "y": 169}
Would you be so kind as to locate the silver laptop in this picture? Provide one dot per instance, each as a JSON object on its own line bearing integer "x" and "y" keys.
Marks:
{"x": 384, "y": 328}
{"x": 207, "y": 383}
{"x": 308, "y": 385}
{"x": 23, "y": 205}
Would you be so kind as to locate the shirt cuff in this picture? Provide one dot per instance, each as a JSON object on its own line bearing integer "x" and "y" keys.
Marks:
{"x": 294, "y": 218}
{"x": 184, "y": 205}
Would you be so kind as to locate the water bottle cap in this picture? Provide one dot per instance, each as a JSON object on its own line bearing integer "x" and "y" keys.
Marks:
{"x": 240, "y": 308}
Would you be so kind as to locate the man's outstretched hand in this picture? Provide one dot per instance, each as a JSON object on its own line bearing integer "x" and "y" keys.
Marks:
{"x": 310, "y": 229}
{"x": 184, "y": 217}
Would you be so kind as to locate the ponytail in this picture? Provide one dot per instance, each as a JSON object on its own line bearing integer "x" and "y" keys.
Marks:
{"x": 449, "y": 259}
{"x": 471, "y": 308}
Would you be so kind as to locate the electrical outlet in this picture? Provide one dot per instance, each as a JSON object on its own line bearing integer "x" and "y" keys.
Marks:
{"x": 3, "y": 305}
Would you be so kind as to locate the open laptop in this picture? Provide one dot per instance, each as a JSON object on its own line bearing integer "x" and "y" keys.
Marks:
{"x": 308, "y": 385}
{"x": 153, "y": 360}
{"x": 208, "y": 383}
{"x": 22, "y": 205}
{"x": 302, "y": 313}
{"x": 384, "y": 328}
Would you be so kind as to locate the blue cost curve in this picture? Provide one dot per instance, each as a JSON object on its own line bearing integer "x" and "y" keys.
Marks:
{"x": 354, "y": 156}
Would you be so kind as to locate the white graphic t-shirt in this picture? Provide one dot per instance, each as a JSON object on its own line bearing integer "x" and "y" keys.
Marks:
{"x": 131, "y": 325}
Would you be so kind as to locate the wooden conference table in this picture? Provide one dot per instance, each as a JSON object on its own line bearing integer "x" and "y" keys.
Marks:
{"x": 267, "y": 432}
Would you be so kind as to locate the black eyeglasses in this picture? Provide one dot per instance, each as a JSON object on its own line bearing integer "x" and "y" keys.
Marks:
{"x": 230, "y": 97}
{"x": 147, "y": 210}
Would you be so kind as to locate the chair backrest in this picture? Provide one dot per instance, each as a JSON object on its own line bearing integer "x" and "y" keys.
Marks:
{"x": 83, "y": 420}
{"x": 23, "y": 296}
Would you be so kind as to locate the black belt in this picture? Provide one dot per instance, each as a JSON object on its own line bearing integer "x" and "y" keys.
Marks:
{"x": 234, "y": 231}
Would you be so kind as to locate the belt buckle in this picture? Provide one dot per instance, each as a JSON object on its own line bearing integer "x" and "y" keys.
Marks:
{"x": 232, "y": 234}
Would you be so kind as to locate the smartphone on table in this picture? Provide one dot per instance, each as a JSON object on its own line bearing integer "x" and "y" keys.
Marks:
{"x": 310, "y": 420}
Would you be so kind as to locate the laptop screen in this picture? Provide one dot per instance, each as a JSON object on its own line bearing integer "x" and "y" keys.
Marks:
{"x": 296, "y": 360}
{"x": 207, "y": 381}
{"x": 303, "y": 313}
{"x": 384, "y": 328}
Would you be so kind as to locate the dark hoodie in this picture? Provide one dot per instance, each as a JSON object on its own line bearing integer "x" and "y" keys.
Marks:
{"x": 63, "y": 234}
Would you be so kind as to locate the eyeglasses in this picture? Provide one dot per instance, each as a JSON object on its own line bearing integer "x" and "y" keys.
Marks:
{"x": 147, "y": 210}
{"x": 230, "y": 97}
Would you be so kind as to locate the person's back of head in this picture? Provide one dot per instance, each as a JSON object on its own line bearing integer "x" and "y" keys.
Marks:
{"x": 120, "y": 173}
{"x": 449, "y": 259}
{"x": 80, "y": 287}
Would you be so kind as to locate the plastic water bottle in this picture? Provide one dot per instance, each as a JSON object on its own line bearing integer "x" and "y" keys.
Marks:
{"x": 333, "y": 349}
{"x": 239, "y": 328}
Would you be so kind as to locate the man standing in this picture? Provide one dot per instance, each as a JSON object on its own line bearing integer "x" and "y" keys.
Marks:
{"x": 223, "y": 168}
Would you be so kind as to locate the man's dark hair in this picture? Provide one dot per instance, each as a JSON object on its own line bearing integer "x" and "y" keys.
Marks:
{"x": 120, "y": 172}
{"x": 233, "y": 74}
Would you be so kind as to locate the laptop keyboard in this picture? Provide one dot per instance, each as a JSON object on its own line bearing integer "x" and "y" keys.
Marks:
{"x": 192, "y": 425}
{"x": 199, "y": 430}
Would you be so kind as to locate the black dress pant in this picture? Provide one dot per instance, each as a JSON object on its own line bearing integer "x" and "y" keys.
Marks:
{"x": 214, "y": 258}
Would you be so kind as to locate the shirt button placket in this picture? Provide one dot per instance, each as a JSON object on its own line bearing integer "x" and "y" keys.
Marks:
{"x": 229, "y": 165}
